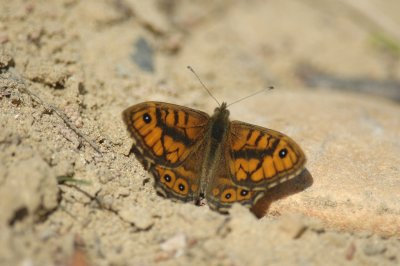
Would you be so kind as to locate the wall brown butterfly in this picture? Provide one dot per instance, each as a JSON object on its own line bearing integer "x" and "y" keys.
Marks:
{"x": 193, "y": 156}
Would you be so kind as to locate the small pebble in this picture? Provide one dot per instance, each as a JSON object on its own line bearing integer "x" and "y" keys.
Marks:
{"x": 138, "y": 216}
{"x": 350, "y": 251}
{"x": 374, "y": 248}
{"x": 293, "y": 226}
{"x": 123, "y": 191}
{"x": 175, "y": 244}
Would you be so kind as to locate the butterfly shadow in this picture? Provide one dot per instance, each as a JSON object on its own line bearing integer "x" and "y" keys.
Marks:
{"x": 293, "y": 186}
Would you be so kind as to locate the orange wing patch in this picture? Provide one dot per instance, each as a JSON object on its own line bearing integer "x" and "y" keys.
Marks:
{"x": 268, "y": 170}
{"x": 144, "y": 121}
{"x": 186, "y": 124}
{"x": 174, "y": 149}
{"x": 250, "y": 138}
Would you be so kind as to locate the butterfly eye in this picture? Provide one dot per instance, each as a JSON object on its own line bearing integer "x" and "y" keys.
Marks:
{"x": 283, "y": 153}
{"x": 146, "y": 118}
{"x": 167, "y": 178}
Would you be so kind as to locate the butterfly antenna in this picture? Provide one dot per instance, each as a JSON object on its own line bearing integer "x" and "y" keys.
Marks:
{"x": 204, "y": 86}
{"x": 251, "y": 95}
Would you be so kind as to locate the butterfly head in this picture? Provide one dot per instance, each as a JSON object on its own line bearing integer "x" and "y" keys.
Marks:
{"x": 220, "y": 122}
{"x": 222, "y": 111}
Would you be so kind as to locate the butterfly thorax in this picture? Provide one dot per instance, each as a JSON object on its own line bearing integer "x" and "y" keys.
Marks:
{"x": 218, "y": 132}
{"x": 219, "y": 122}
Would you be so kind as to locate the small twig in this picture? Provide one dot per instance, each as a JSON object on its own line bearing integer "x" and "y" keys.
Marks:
{"x": 54, "y": 109}
{"x": 68, "y": 179}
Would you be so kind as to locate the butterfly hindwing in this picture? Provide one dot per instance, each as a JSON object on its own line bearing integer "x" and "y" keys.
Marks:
{"x": 223, "y": 192}
{"x": 181, "y": 182}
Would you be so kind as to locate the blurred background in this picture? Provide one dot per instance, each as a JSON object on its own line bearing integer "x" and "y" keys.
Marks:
{"x": 347, "y": 45}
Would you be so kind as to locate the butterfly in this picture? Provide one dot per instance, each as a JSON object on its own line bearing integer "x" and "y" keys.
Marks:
{"x": 193, "y": 156}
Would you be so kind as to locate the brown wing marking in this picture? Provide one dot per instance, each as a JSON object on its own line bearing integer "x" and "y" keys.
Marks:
{"x": 223, "y": 192}
{"x": 176, "y": 183}
{"x": 262, "y": 157}
{"x": 165, "y": 133}
{"x": 181, "y": 182}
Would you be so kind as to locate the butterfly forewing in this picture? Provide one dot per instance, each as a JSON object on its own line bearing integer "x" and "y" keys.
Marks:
{"x": 165, "y": 134}
{"x": 261, "y": 158}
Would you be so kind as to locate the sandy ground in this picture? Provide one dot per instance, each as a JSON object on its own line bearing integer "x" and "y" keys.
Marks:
{"x": 71, "y": 195}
